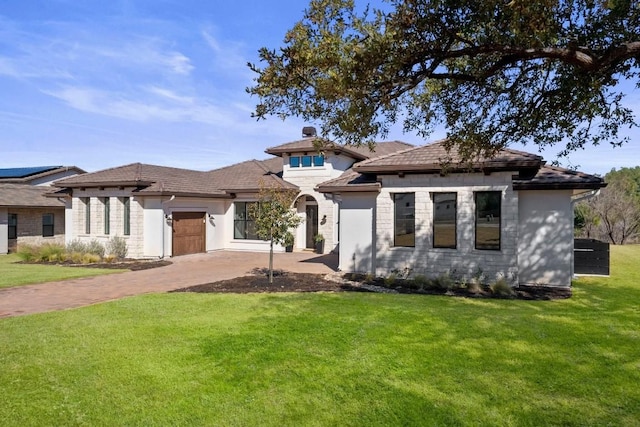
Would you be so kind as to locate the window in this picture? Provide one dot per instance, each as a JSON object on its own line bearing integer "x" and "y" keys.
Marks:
{"x": 488, "y": 214}
{"x": 306, "y": 161}
{"x": 444, "y": 220}
{"x": 126, "y": 202}
{"x": 294, "y": 162}
{"x": 107, "y": 212}
{"x": 318, "y": 160}
{"x": 13, "y": 226}
{"x": 244, "y": 226}
{"x": 47, "y": 225}
{"x": 404, "y": 229}
{"x": 87, "y": 215}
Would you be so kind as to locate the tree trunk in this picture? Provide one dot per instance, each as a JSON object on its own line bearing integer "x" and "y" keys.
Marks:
{"x": 271, "y": 261}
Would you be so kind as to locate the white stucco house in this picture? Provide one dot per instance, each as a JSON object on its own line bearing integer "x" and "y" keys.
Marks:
{"x": 399, "y": 208}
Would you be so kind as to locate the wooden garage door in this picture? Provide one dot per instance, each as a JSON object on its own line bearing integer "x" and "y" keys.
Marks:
{"x": 188, "y": 233}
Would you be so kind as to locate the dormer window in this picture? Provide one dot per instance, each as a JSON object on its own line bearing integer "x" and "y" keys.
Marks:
{"x": 306, "y": 161}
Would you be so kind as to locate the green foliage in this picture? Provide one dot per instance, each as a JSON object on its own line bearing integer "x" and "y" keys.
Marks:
{"x": 26, "y": 252}
{"x": 48, "y": 252}
{"x": 493, "y": 72}
{"x": 318, "y": 238}
{"x": 390, "y": 280}
{"x": 94, "y": 247}
{"x": 443, "y": 282}
{"x": 274, "y": 216}
{"x": 364, "y": 359}
{"x": 117, "y": 247}
{"x": 501, "y": 288}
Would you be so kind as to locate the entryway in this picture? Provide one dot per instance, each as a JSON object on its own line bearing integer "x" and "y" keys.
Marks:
{"x": 188, "y": 233}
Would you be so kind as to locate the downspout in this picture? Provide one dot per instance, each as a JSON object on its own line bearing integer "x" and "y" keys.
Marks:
{"x": 164, "y": 222}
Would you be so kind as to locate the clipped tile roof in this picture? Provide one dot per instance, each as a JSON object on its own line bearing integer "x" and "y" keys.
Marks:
{"x": 435, "y": 158}
{"x": 350, "y": 180}
{"x": 553, "y": 177}
{"x": 27, "y": 196}
{"x": 162, "y": 180}
{"x": 358, "y": 153}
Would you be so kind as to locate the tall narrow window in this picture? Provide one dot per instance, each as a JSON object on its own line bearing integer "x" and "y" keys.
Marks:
{"x": 13, "y": 226}
{"x": 444, "y": 220}
{"x": 47, "y": 225}
{"x": 488, "y": 215}
{"x": 404, "y": 219}
{"x": 87, "y": 215}
{"x": 107, "y": 215}
{"x": 244, "y": 226}
{"x": 126, "y": 202}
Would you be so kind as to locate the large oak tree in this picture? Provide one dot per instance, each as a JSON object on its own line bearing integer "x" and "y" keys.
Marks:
{"x": 493, "y": 72}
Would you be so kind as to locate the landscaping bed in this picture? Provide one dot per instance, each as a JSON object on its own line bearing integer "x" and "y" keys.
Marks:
{"x": 126, "y": 264}
{"x": 306, "y": 282}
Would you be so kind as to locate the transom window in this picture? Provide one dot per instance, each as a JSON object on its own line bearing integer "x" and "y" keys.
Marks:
{"x": 244, "y": 227}
{"x": 47, "y": 225}
{"x": 444, "y": 220}
{"x": 404, "y": 219}
{"x": 306, "y": 161}
{"x": 488, "y": 219}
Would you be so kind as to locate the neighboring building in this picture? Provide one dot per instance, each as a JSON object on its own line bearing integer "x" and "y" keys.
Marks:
{"x": 400, "y": 208}
{"x": 26, "y": 215}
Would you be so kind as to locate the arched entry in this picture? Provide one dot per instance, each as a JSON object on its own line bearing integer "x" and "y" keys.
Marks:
{"x": 311, "y": 221}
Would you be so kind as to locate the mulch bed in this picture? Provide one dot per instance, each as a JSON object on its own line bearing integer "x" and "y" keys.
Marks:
{"x": 133, "y": 264}
{"x": 306, "y": 282}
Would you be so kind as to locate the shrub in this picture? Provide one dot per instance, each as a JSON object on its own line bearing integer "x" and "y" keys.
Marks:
{"x": 420, "y": 281}
{"x": 474, "y": 286}
{"x": 369, "y": 278}
{"x": 501, "y": 288}
{"x": 390, "y": 280}
{"x": 77, "y": 246}
{"x": 90, "y": 258}
{"x": 26, "y": 252}
{"x": 95, "y": 248}
{"x": 117, "y": 247}
{"x": 51, "y": 252}
{"x": 75, "y": 257}
{"x": 443, "y": 282}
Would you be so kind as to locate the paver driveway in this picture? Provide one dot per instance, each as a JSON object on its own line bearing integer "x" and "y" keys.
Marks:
{"x": 185, "y": 271}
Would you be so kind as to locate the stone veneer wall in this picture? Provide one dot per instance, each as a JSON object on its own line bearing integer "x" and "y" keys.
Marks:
{"x": 116, "y": 206}
{"x": 465, "y": 260}
{"x": 30, "y": 227}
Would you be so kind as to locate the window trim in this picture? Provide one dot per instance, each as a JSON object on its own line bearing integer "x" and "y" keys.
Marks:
{"x": 48, "y": 230}
{"x": 12, "y": 224}
{"x": 476, "y": 218}
{"x": 455, "y": 220}
{"x": 245, "y": 221}
{"x": 395, "y": 220}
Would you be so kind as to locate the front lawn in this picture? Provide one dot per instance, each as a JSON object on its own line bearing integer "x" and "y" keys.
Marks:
{"x": 331, "y": 359}
{"x": 12, "y": 273}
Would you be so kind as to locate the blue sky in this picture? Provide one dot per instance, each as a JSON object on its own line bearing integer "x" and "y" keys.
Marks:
{"x": 98, "y": 84}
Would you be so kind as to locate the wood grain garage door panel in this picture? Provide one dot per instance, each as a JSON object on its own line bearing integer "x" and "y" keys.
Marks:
{"x": 188, "y": 233}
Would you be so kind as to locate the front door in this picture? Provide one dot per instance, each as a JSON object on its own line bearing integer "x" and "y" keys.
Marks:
{"x": 312, "y": 225}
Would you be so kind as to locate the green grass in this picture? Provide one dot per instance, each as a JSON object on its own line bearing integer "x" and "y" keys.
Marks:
{"x": 13, "y": 274}
{"x": 331, "y": 359}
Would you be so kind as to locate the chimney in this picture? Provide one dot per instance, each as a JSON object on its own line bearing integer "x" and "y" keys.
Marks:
{"x": 308, "y": 132}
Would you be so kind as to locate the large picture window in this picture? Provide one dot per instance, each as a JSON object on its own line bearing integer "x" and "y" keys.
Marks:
{"x": 404, "y": 219}
{"x": 244, "y": 226}
{"x": 488, "y": 219}
{"x": 444, "y": 220}
{"x": 107, "y": 215}
{"x": 47, "y": 225}
{"x": 13, "y": 226}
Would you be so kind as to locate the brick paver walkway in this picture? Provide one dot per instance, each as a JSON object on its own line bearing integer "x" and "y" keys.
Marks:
{"x": 185, "y": 271}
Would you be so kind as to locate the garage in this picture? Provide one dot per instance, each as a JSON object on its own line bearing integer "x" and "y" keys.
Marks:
{"x": 188, "y": 233}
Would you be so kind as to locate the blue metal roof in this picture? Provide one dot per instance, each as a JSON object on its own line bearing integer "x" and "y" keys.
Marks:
{"x": 24, "y": 172}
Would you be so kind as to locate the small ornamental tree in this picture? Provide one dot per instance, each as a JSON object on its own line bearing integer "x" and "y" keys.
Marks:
{"x": 273, "y": 216}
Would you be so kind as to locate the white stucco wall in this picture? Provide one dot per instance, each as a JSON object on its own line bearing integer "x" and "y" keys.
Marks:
{"x": 357, "y": 216}
{"x": 465, "y": 261}
{"x": 545, "y": 229}
{"x": 4, "y": 231}
{"x": 233, "y": 244}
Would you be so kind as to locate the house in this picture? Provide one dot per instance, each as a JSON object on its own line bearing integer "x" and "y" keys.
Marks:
{"x": 26, "y": 215}
{"x": 398, "y": 208}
